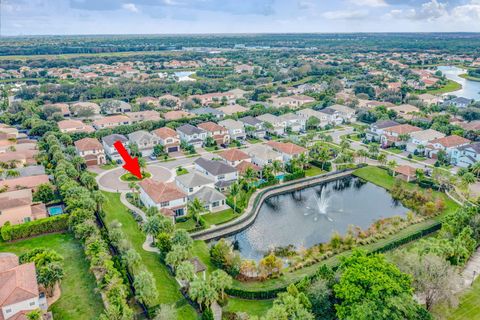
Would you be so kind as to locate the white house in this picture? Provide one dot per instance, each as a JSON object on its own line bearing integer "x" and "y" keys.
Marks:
{"x": 262, "y": 155}
{"x": 192, "y": 135}
{"x": 110, "y": 150}
{"x": 193, "y": 182}
{"x": 235, "y": 129}
{"x": 166, "y": 196}
{"x": 288, "y": 150}
{"x": 468, "y": 155}
{"x": 279, "y": 125}
{"x": 293, "y": 121}
{"x": 449, "y": 144}
{"x": 223, "y": 174}
{"x": 144, "y": 140}
{"x": 419, "y": 139}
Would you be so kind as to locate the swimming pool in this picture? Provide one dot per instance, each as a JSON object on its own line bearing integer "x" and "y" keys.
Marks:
{"x": 55, "y": 210}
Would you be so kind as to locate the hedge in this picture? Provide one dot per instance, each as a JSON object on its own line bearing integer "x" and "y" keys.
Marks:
{"x": 34, "y": 228}
{"x": 294, "y": 176}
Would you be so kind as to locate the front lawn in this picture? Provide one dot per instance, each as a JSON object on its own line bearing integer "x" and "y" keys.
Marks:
{"x": 395, "y": 150}
{"x": 168, "y": 289}
{"x": 220, "y": 217}
{"x": 181, "y": 171}
{"x": 418, "y": 158}
{"x": 79, "y": 298}
{"x": 313, "y": 171}
{"x": 254, "y": 140}
{"x": 128, "y": 177}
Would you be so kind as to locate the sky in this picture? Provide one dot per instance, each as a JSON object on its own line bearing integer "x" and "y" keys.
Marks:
{"x": 47, "y": 17}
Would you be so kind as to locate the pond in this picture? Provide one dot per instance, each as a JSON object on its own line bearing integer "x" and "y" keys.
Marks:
{"x": 184, "y": 75}
{"x": 310, "y": 216}
{"x": 470, "y": 89}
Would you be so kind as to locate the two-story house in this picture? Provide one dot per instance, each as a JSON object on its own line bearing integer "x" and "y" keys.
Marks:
{"x": 397, "y": 135}
{"x": 223, "y": 174}
{"x": 166, "y": 196}
{"x": 192, "y": 135}
{"x": 293, "y": 122}
{"x": 449, "y": 144}
{"x": 217, "y": 132}
{"x": 168, "y": 138}
{"x": 72, "y": 126}
{"x": 467, "y": 155}
{"x": 235, "y": 128}
{"x": 208, "y": 111}
{"x": 308, "y": 113}
{"x": 91, "y": 150}
{"x": 192, "y": 182}
{"x": 277, "y": 125}
{"x": 144, "y": 140}
{"x": 234, "y": 156}
{"x": 344, "y": 112}
{"x": 110, "y": 150}
{"x": 418, "y": 140}
{"x": 378, "y": 128}
{"x": 288, "y": 150}
{"x": 17, "y": 207}
{"x": 262, "y": 155}
{"x": 146, "y": 115}
{"x": 111, "y": 122}
{"x": 253, "y": 127}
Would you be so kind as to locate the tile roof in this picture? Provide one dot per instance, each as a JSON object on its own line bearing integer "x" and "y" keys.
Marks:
{"x": 25, "y": 182}
{"x": 405, "y": 170}
{"x": 207, "y": 195}
{"x": 451, "y": 141}
{"x": 232, "y": 109}
{"x": 234, "y": 155}
{"x": 165, "y": 132}
{"x": 112, "y": 138}
{"x": 188, "y": 129}
{"x": 288, "y": 147}
{"x": 215, "y": 167}
{"x": 18, "y": 284}
{"x": 385, "y": 124}
{"x": 242, "y": 167}
{"x": 403, "y": 129}
{"x": 161, "y": 191}
{"x": 211, "y": 126}
{"x": 176, "y": 115}
{"x": 87, "y": 144}
{"x": 193, "y": 179}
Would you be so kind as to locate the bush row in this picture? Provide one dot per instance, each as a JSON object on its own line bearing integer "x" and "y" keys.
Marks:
{"x": 34, "y": 228}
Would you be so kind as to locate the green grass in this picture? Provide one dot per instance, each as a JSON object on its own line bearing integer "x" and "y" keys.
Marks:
{"x": 128, "y": 177}
{"x": 252, "y": 307}
{"x": 108, "y": 166}
{"x": 254, "y": 140}
{"x": 466, "y": 76}
{"x": 79, "y": 298}
{"x": 468, "y": 307}
{"x": 313, "y": 171}
{"x": 201, "y": 250}
{"x": 418, "y": 158}
{"x": 189, "y": 224}
{"x": 168, "y": 289}
{"x": 181, "y": 171}
{"x": 449, "y": 87}
{"x": 395, "y": 150}
{"x": 220, "y": 217}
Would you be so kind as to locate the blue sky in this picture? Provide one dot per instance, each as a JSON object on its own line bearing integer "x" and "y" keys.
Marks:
{"x": 26, "y": 17}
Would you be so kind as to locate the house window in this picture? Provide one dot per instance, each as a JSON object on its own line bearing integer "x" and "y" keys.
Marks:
{"x": 27, "y": 219}
{"x": 8, "y": 310}
{"x": 221, "y": 177}
{"x": 32, "y": 303}
{"x": 164, "y": 204}
{"x": 190, "y": 189}
{"x": 215, "y": 204}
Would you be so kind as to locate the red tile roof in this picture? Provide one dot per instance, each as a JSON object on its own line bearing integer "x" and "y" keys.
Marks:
{"x": 211, "y": 127}
{"x": 451, "y": 141}
{"x": 288, "y": 147}
{"x": 242, "y": 167}
{"x": 87, "y": 144}
{"x": 165, "y": 132}
{"x": 403, "y": 129}
{"x": 18, "y": 284}
{"x": 406, "y": 170}
{"x": 161, "y": 191}
{"x": 234, "y": 155}
{"x": 31, "y": 182}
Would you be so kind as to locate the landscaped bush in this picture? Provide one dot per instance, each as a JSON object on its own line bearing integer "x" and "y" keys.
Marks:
{"x": 294, "y": 176}
{"x": 34, "y": 228}
{"x": 327, "y": 166}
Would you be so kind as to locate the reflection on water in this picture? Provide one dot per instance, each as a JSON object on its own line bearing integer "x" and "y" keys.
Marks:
{"x": 310, "y": 216}
{"x": 470, "y": 89}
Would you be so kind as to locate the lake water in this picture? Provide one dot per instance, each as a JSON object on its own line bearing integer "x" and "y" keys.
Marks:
{"x": 184, "y": 75}
{"x": 310, "y": 216}
{"x": 470, "y": 89}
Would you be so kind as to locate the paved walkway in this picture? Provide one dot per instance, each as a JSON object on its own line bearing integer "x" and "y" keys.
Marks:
{"x": 471, "y": 270}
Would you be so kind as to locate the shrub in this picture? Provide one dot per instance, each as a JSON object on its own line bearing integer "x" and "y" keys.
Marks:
{"x": 34, "y": 228}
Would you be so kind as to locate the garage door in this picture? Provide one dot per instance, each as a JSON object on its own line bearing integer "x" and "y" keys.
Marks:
{"x": 172, "y": 149}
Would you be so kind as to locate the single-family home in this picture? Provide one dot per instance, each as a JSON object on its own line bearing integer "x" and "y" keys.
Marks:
{"x": 459, "y": 102}
{"x": 262, "y": 155}
{"x": 397, "y": 135}
{"x": 308, "y": 113}
{"x": 288, "y": 150}
{"x": 30, "y": 182}
{"x": 144, "y": 140}
{"x": 212, "y": 199}
{"x": 78, "y": 108}
{"x": 166, "y": 196}
{"x": 192, "y": 135}
{"x": 217, "y": 132}
{"x": 449, "y": 144}
{"x": 291, "y": 101}
{"x": 294, "y": 122}
{"x": 419, "y": 139}
{"x": 170, "y": 101}
{"x": 19, "y": 291}
{"x": 429, "y": 99}
{"x": 467, "y": 155}
{"x": 61, "y": 108}
{"x": 91, "y": 150}
{"x": 234, "y": 156}
{"x": 344, "y": 112}
{"x": 110, "y": 150}
{"x": 253, "y": 127}
{"x": 235, "y": 128}
{"x": 377, "y": 129}
{"x": 147, "y": 115}
{"x": 278, "y": 126}
{"x": 115, "y": 106}
{"x": 232, "y": 109}
{"x": 331, "y": 116}
{"x": 72, "y": 126}
{"x": 168, "y": 138}
{"x": 243, "y": 166}
{"x": 111, "y": 121}
{"x": 208, "y": 111}
{"x": 193, "y": 181}
{"x": 19, "y": 157}
{"x": 406, "y": 111}
{"x": 17, "y": 207}
{"x": 148, "y": 101}
{"x": 177, "y": 115}
{"x": 223, "y": 174}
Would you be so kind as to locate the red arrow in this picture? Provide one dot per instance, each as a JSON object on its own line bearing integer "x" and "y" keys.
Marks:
{"x": 131, "y": 164}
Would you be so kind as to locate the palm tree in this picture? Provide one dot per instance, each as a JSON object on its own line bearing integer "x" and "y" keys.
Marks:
{"x": 12, "y": 173}
{"x": 302, "y": 161}
{"x": 363, "y": 154}
{"x": 234, "y": 192}
{"x": 152, "y": 226}
{"x": 382, "y": 159}
{"x": 78, "y": 162}
{"x": 392, "y": 165}
{"x": 475, "y": 169}
{"x": 277, "y": 167}
{"x": 195, "y": 209}
{"x": 99, "y": 199}
{"x": 249, "y": 174}
{"x": 373, "y": 148}
{"x": 220, "y": 280}
{"x": 185, "y": 272}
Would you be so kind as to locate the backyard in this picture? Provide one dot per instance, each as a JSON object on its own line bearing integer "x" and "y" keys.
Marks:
{"x": 79, "y": 298}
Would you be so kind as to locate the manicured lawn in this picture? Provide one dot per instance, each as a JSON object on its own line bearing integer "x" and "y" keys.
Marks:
{"x": 187, "y": 225}
{"x": 395, "y": 150}
{"x": 418, "y": 158}
{"x": 130, "y": 177}
{"x": 254, "y": 140}
{"x": 180, "y": 171}
{"x": 313, "y": 171}
{"x": 108, "y": 166}
{"x": 79, "y": 298}
{"x": 449, "y": 87}
{"x": 220, "y": 217}
{"x": 168, "y": 289}
{"x": 468, "y": 308}
{"x": 252, "y": 307}
{"x": 201, "y": 250}
{"x": 466, "y": 76}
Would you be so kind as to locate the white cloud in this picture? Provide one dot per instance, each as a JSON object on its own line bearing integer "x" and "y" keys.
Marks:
{"x": 130, "y": 7}
{"x": 345, "y": 14}
{"x": 369, "y": 3}
{"x": 467, "y": 12}
{"x": 430, "y": 11}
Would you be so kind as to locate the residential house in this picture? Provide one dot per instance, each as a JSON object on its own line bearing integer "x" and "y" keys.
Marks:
{"x": 261, "y": 155}
{"x": 418, "y": 140}
{"x": 470, "y": 126}
{"x": 212, "y": 200}
{"x": 288, "y": 150}
{"x": 110, "y": 150}
{"x": 234, "y": 156}
{"x": 208, "y": 111}
{"x": 467, "y": 155}
{"x": 344, "y": 112}
{"x": 19, "y": 157}
{"x": 459, "y": 102}
{"x": 429, "y": 99}
{"x": 30, "y": 182}
{"x": 91, "y": 150}
{"x": 166, "y": 196}
{"x": 378, "y": 128}
{"x": 244, "y": 165}
{"x": 253, "y": 127}
{"x": 17, "y": 207}
{"x": 19, "y": 291}
{"x": 293, "y": 102}
{"x": 278, "y": 126}
{"x": 77, "y": 107}
{"x": 147, "y": 115}
{"x": 144, "y": 140}
{"x": 397, "y": 135}
{"x": 148, "y": 101}
{"x": 217, "y": 132}
{"x": 232, "y": 109}
{"x": 168, "y": 138}
{"x": 235, "y": 128}
{"x": 72, "y": 126}
{"x": 308, "y": 113}
{"x": 33, "y": 170}
{"x": 223, "y": 174}
{"x": 192, "y": 182}
{"x": 111, "y": 122}
{"x": 449, "y": 144}
{"x": 169, "y": 101}
{"x": 192, "y": 135}
{"x": 406, "y": 111}
{"x": 115, "y": 107}
{"x": 294, "y": 122}
{"x": 62, "y": 108}
{"x": 177, "y": 115}
{"x": 331, "y": 116}
{"x": 229, "y": 97}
